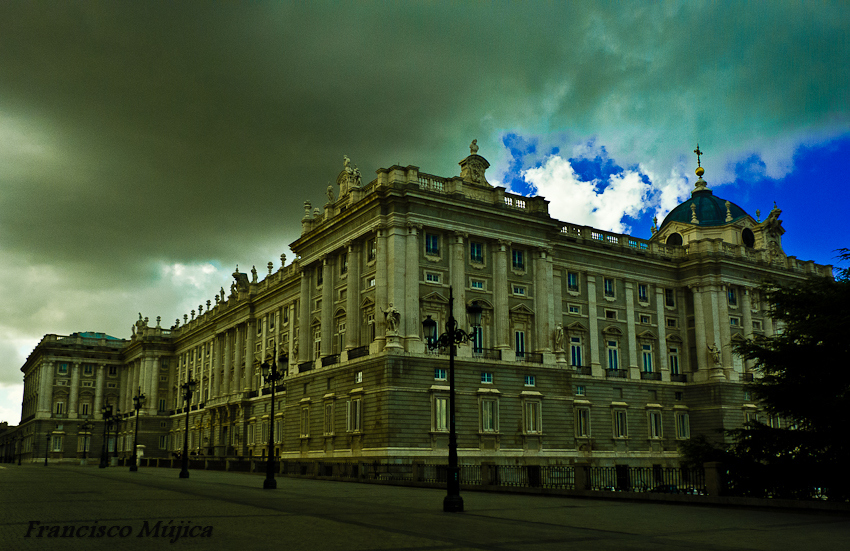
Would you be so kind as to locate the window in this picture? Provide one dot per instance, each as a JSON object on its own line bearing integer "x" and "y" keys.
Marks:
{"x": 519, "y": 290}
{"x": 643, "y": 293}
{"x": 532, "y": 419}
{"x": 756, "y": 325}
{"x": 57, "y": 443}
{"x": 580, "y": 390}
{"x": 161, "y": 405}
{"x": 735, "y": 322}
{"x": 610, "y": 314}
{"x": 85, "y": 409}
{"x": 486, "y": 377}
{"x": 476, "y": 252}
{"x": 530, "y": 380}
{"x": 733, "y": 297}
{"x": 582, "y": 422}
{"x": 477, "y": 284}
{"x": 353, "y": 415}
{"x": 317, "y": 343}
{"x": 63, "y": 369}
{"x": 655, "y": 424}
{"x": 574, "y": 309}
{"x": 519, "y": 337}
{"x": 432, "y": 244}
{"x": 371, "y": 250}
{"x": 670, "y": 297}
{"x": 431, "y": 277}
{"x": 113, "y": 370}
{"x": 575, "y": 351}
{"x": 343, "y": 263}
{"x": 88, "y": 369}
{"x": 748, "y": 396}
{"x": 250, "y": 435}
{"x": 750, "y": 417}
{"x": 340, "y": 335}
{"x": 620, "y": 424}
{"x": 646, "y": 352}
{"x": 608, "y": 287}
{"x": 59, "y": 409}
{"x": 671, "y": 322}
{"x": 679, "y": 396}
{"x": 370, "y": 326}
{"x": 683, "y": 426}
{"x": 163, "y": 442}
{"x": 305, "y": 422}
{"x": 277, "y": 432}
{"x": 489, "y": 415}
{"x": 91, "y": 383}
{"x": 674, "y": 361}
{"x": 370, "y": 282}
{"x": 441, "y": 413}
{"x": 358, "y": 377}
{"x": 518, "y": 259}
{"x": 646, "y": 320}
{"x": 329, "y": 419}
{"x": 286, "y": 314}
{"x": 613, "y": 355}
{"x": 572, "y": 281}
{"x": 439, "y": 374}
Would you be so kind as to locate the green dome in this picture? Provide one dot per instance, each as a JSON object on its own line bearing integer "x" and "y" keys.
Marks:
{"x": 711, "y": 210}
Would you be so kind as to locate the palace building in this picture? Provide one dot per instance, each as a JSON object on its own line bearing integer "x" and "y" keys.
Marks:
{"x": 593, "y": 346}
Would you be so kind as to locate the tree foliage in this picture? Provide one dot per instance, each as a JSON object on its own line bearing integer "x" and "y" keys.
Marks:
{"x": 805, "y": 383}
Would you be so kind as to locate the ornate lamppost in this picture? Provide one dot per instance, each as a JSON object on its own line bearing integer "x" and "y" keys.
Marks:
{"x": 106, "y": 412}
{"x": 138, "y": 402}
{"x": 271, "y": 377}
{"x": 85, "y": 432}
{"x": 453, "y": 336}
{"x": 188, "y": 388}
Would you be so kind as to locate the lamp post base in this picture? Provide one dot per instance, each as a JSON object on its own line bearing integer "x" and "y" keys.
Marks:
{"x": 453, "y": 504}
{"x": 184, "y": 474}
{"x": 270, "y": 484}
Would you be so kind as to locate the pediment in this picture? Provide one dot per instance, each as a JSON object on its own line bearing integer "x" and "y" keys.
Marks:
{"x": 576, "y": 326}
{"x": 434, "y": 296}
{"x": 522, "y": 309}
{"x": 612, "y": 330}
{"x": 674, "y": 338}
{"x": 647, "y": 335}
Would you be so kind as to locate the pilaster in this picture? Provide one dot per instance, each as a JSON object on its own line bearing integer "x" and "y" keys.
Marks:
{"x": 352, "y": 299}
{"x": 662, "y": 334}
{"x": 501, "y": 313}
{"x": 75, "y": 391}
{"x": 304, "y": 337}
{"x": 98, "y": 391}
{"x": 631, "y": 334}
{"x": 326, "y": 347}
{"x": 593, "y": 327}
{"x": 543, "y": 301}
{"x": 412, "y": 323}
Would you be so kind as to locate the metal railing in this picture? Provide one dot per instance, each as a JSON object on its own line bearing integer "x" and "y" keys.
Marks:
{"x": 358, "y": 352}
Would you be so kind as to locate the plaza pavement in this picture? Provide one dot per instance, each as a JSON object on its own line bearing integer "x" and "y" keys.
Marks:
{"x": 232, "y": 511}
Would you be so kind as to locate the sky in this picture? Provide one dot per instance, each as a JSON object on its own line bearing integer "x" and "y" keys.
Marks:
{"x": 147, "y": 148}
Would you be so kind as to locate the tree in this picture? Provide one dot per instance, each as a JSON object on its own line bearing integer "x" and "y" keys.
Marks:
{"x": 805, "y": 383}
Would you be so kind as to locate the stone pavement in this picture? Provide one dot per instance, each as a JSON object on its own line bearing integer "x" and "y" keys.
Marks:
{"x": 152, "y": 508}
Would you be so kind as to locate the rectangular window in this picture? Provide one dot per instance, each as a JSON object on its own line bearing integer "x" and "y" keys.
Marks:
{"x": 646, "y": 320}
{"x": 250, "y": 434}
{"x": 620, "y": 426}
{"x": 733, "y": 297}
{"x": 85, "y": 409}
{"x": 575, "y": 351}
{"x": 370, "y": 282}
{"x": 163, "y": 442}
{"x": 756, "y": 325}
{"x": 572, "y": 281}
{"x": 358, "y": 377}
{"x": 670, "y": 297}
{"x": 519, "y": 290}
{"x": 113, "y": 370}
{"x": 439, "y": 374}
{"x": 582, "y": 422}
{"x": 161, "y": 405}
{"x": 57, "y": 443}
{"x": 643, "y": 293}
{"x": 441, "y": 413}
{"x": 646, "y": 352}
{"x": 59, "y": 409}
{"x": 608, "y": 285}
{"x": 343, "y": 263}
{"x": 580, "y": 390}
{"x": 613, "y": 355}
{"x": 371, "y": 250}
{"x": 532, "y": 418}
{"x": 486, "y": 377}
{"x": 749, "y": 417}
{"x": 329, "y": 419}
{"x": 63, "y": 369}
{"x": 432, "y": 244}
{"x": 674, "y": 361}
{"x": 352, "y": 418}
{"x": 489, "y": 416}
{"x": 305, "y": 422}
{"x": 655, "y": 424}
{"x": 574, "y": 309}
{"x": 519, "y": 337}
{"x": 476, "y": 252}
{"x": 735, "y": 322}
{"x": 477, "y": 284}
{"x": 671, "y": 322}
{"x": 683, "y": 426}
{"x": 88, "y": 369}
{"x": 530, "y": 380}
{"x": 431, "y": 277}
{"x": 610, "y": 314}
{"x": 518, "y": 259}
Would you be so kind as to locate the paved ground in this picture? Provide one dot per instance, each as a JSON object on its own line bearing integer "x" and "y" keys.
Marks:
{"x": 317, "y": 515}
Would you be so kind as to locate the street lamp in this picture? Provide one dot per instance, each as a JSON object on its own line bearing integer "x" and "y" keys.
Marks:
{"x": 85, "y": 431}
{"x": 138, "y": 401}
{"x": 188, "y": 388}
{"x": 453, "y": 336}
{"x": 47, "y": 449}
{"x": 106, "y": 412}
{"x": 271, "y": 377}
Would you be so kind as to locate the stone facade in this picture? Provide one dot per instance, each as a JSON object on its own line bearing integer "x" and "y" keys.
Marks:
{"x": 594, "y": 346}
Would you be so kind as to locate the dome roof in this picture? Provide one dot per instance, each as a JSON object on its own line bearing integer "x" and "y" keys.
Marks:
{"x": 710, "y": 210}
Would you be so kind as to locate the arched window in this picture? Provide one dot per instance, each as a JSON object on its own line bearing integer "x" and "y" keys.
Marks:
{"x": 674, "y": 239}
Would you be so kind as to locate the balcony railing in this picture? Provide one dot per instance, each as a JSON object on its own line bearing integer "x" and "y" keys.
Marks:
{"x": 530, "y": 357}
{"x": 616, "y": 373}
{"x": 306, "y": 366}
{"x": 650, "y": 375}
{"x": 358, "y": 352}
{"x": 487, "y": 353}
{"x": 583, "y": 370}
{"x": 330, "y": 360}
{"x": 747, "y": 377}
{"x": 679, "y": 378}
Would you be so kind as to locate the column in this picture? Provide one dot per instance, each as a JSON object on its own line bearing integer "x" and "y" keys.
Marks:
{"x": 699, "y": 329}
{"x": 248, "y": 378}
{"x": 593, "y": 327}
{"x": 543, "y": 301}
{"x": 327, "y": 321}
{"x": 381, "y": 293}
{"x": 747, "y": 306}
{"x": 98, "y": 391}
{"x": 227, "y": 364}
{"x": 631, "y": 336}
{"x": 662, "y": 335}
{"x": 725, "y": 330}
{"x": 75, "y": 391}
{"x": 352, "y": 300}
{"x": 304, "y": 337}
{"x": 236, "y": 382}
{"x": 501, "y": 311}
{"x": 717, "y": 370}
{"x": 219, "y": 365}
{"x": 411, "y": 323}
{"x": 152, "y": 402}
